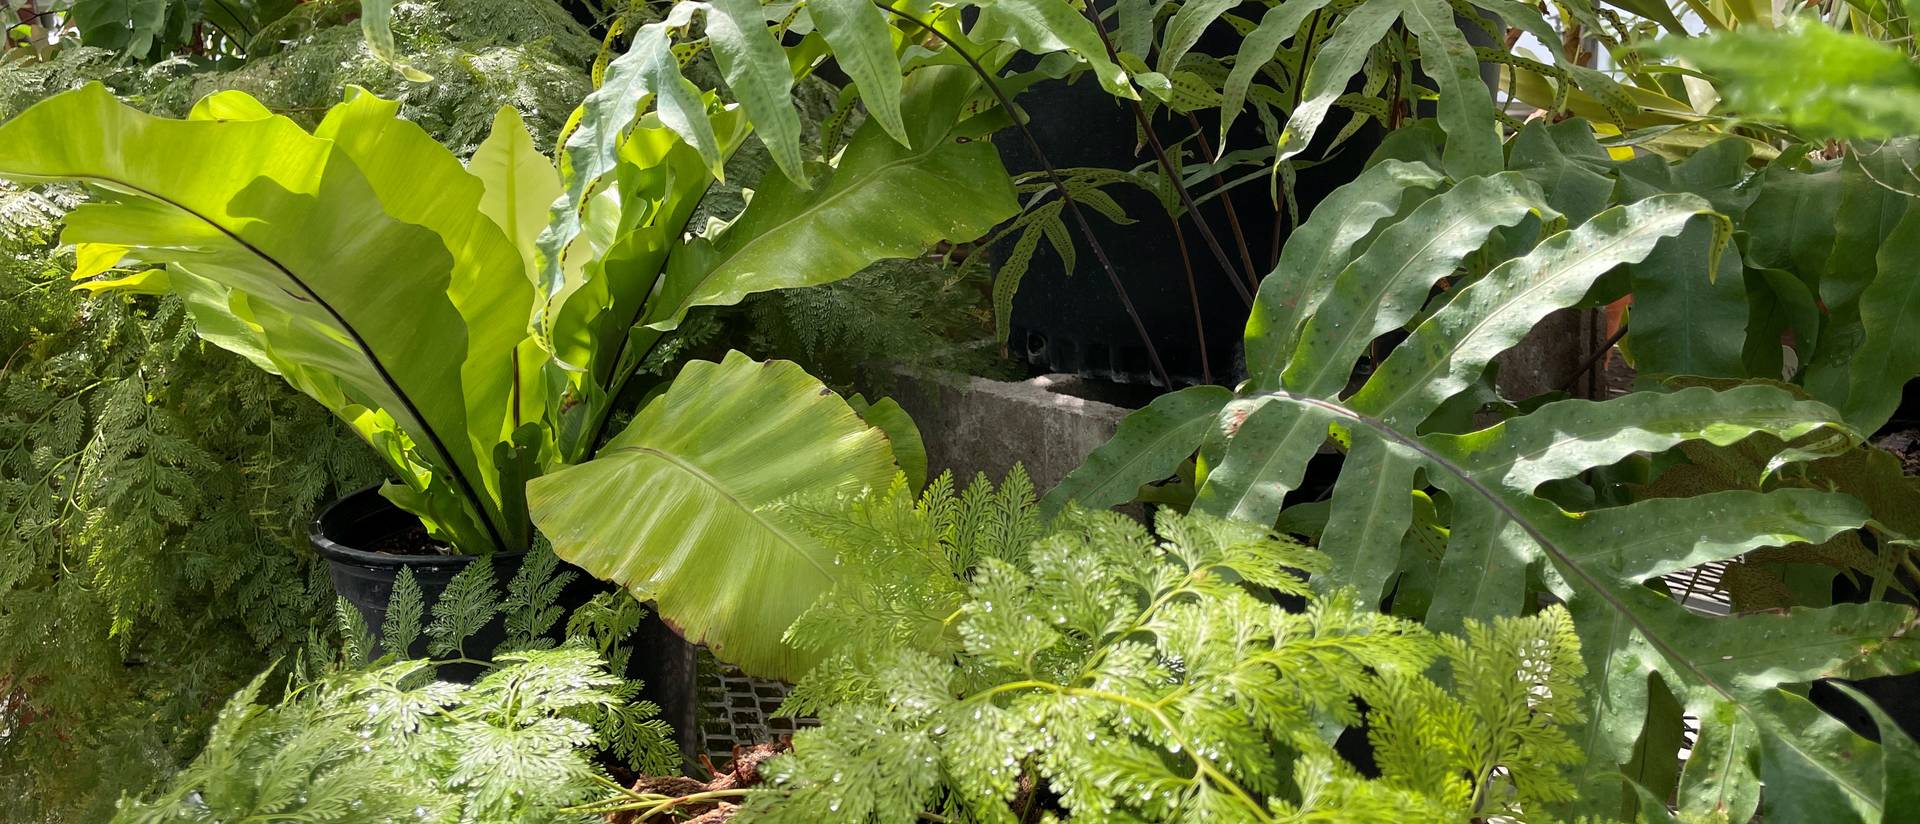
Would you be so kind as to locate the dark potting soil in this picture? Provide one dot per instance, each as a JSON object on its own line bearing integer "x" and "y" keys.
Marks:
{"x": 413, "y": 540}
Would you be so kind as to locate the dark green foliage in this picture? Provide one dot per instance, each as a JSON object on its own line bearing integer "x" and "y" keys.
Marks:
{"x": 914, "y": 313}
{"x": 154, "y": 495}
{"x": 155, "y": 491}
{"x": 1119, "y": 676}
{"x": 152, "y": 30}
{"x": 482, "y": 53}
{"x": 1814, "y": 289}
{"x": 930, "y": 312}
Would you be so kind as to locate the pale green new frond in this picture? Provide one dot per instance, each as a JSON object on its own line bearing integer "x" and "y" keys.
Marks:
{"x": 1516, "y": 688}
{"x": 356, "y": 640}
{"x": 532, "y": 605}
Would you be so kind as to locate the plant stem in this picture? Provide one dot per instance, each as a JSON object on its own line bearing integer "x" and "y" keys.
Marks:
{"x": 1015, "y": 113}
{"x": 654, "y": 804}
{"x": 1166, "y": 167}
{"x": 1193, "y": 295}
{"x": 1233, "y": 217}
{"x": 1594, "y": 357}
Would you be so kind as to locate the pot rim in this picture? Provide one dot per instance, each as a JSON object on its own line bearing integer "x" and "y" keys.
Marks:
{"x": 337, "y": 552}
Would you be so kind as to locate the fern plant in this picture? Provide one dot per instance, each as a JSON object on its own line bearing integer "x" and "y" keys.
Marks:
{"x": 1366, "y": 265}
{"x": 158, "y": 491}
{"x": 156, "y": 497}
{"x": 909, "y": 558}
{"x": 1806, "y": 295}
{"x": 382, "y": 745}
{"x": 1108, "y": 674}
{"x": 373, "y": 737}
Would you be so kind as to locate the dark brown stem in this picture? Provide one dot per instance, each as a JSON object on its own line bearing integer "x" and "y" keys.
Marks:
{"x": 1193, "y": 293}
{"x": 1226, "y": 199}
{"x": 1299, "y": 89}
{"x": 1173, "y": 175}
{"x": 1588, "y": 364}
{"x": 1017, "y": 115}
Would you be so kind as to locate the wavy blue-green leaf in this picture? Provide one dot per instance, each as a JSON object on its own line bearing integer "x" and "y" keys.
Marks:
{"x": 1149, "y": 445}
{"x": 755, "y": 68}
{"x": 1339, "y": 230}
{"x": 1339, "y": 58}
{"x": 1466, "y": 105}
{"x": 862, "y": 42}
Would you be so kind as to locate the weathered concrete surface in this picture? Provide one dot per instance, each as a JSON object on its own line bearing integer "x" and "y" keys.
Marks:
{"x": 974, "y": 424}
{"x": 1050, "y": 423}
{"x": 1548, "y": 357}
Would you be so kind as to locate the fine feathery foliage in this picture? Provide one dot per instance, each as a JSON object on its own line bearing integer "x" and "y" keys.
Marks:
{"x": 1495, "y": 495}
{"x": 384, "y": 744}
{"x": 910, "y": 557}
{"x": 531, "y": 614}
{"x": 156, "y": 494}
{"x": 1111, "y": 675}
{"x": 377, "y": 739}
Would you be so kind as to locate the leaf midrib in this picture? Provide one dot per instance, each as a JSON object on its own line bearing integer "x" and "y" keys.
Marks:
{"x": 452, "y": 467}
{"x": 688, "y": 467}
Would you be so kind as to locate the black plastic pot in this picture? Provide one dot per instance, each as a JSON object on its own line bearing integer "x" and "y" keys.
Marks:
{"x": 1074, "y": 321}
{"x": 661, "y": 658}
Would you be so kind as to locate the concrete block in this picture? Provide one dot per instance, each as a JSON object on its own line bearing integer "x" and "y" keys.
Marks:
{"x": 974, "y": 424}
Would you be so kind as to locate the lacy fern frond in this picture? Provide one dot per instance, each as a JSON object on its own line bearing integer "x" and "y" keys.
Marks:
{"x": 532, "y": 607}
{"x": 615, "y": 720}
{"x": 465, "y": 606}
{"x": 376, "y": 745}
{"x": 1115, "y": 675}
{"x": 405, "y": 608}
{"x": 908, "y": 561}
{"x": 1516, "y": 688}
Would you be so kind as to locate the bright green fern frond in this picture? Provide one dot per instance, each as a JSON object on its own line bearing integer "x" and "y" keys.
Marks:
{"x": 465, "y": 606}
{"x": 1117, "y": 674}
{"x": 532, "y": 607}
{"x": 405, "y": 611}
